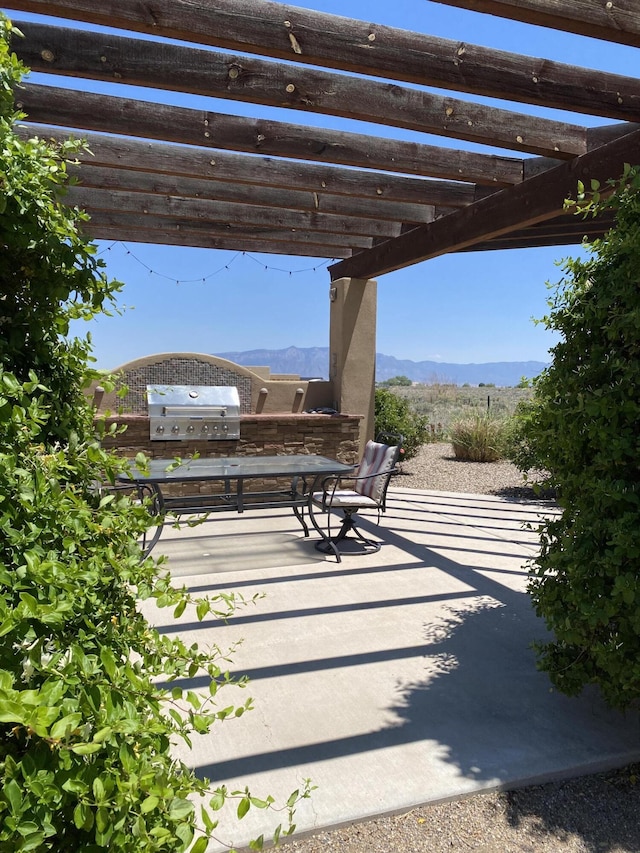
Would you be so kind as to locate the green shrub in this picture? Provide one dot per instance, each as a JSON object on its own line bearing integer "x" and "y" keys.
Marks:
{"x": 402, "y": 381}
{"x": 477, "y": 438}
{"x": 393, "y": 415}
{"x": 583, "y": 430}
{"x": 516, "y": 437}
{"x": 85, "y": 732}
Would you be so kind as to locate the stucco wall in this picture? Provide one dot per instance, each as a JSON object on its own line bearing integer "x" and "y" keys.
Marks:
{"x": 259, "y": 393}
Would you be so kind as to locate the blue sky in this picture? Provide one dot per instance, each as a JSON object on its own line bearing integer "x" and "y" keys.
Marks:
{"x": 471, "y": 307}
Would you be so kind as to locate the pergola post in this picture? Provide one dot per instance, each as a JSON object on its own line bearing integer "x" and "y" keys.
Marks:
{"x": 352, "y": 346}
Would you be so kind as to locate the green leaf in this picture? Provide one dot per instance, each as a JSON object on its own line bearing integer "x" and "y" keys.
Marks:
{"x": 83, "y": 816}
{"x": 64, "y": 726}
{"x": 103, "y": 734}
{"x": 99, "y": 792}
{"x": 149, "y": 804}
{"x": 184, "y": 832}
{"x": 30, "y": 603}
{"x": 243, "y": 807}
{"x": 217, "y": 801}
{"x": 13, "y": 793}
{"x": 103, "y": 819}
{"x": 86, "y": 748}
{"x": 11, "y": 712}
{"x": 33, "y": 841}
{"x": 193, "y": 699}
{"x": 209, "y": 824}
{"x": 108, "y": 660}
{"x": 179, "y": 809}
{"x": 200, "y": 845}
{"x": 261, "y": 804}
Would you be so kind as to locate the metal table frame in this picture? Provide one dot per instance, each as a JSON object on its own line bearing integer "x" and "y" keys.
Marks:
{"x": 304, "y": 470}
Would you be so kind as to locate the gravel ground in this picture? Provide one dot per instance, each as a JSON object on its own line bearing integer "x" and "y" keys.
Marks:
{"x": 598, "y": 813}
{"x": 591, "y": 814}
{"x": 435, "y": 467}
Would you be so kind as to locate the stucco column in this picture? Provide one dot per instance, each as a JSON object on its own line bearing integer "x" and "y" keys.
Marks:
{"x": 352, "y": 348}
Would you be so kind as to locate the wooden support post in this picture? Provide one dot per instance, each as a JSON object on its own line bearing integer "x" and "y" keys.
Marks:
{"x": 352, "y": 337}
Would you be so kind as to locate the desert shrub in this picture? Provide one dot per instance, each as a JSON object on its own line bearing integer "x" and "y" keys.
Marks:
{"x": 393, "y": 415}
{"x": 583, "y": 430}
{"x": 477, "y": 438}
{"x": 443, "y": 405}
{"x": 85, "y": 730}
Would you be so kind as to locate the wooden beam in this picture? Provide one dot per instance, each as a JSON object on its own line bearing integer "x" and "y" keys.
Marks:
{"x": 96, "y": 231}
{"x": 101, "y": 177}
{"x": 536, "y": 199}
{"x": 597, "y": 136}
{"x": 304, "y": 35}
{"x": 127, "y": 224}
{"x": 231, "y": 215}
{"x": 261, "y": 171}
{"x": 528, "y": 241}
{"x": 617, "y": 21}
{"x": 563, "y": 230}
{"x": 77, "y": 53}
{"x": 56, "y": 105}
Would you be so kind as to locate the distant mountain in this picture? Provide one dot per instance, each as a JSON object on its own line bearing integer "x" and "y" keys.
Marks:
{"x": 314, "y": 362}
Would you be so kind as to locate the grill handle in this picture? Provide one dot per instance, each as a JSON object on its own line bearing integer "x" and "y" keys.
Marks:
{"x": 195, "y": 411}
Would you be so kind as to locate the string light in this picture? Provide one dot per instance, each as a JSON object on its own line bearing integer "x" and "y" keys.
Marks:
{"x": 204, "y": 278}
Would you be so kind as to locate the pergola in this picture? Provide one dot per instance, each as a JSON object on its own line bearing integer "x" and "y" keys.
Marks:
{"x": 176, "y": 175}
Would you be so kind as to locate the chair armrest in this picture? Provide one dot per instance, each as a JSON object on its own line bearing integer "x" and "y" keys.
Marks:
{"x": 330, "y": 483}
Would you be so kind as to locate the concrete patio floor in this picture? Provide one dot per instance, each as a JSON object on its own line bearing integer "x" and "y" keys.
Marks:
{"x": 391, "y": 679}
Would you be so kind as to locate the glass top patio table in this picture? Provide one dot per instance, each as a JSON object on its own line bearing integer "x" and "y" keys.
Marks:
{"x": 234, "y": 467}
{"x": 304, "y": 471}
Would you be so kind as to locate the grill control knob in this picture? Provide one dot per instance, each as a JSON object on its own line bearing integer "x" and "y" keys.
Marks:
{"x": 190, "y": 428}
{"x": 205, "y": 428}
{"x": 175, "y": 429}
{"x": 160, "y": 429}
{"x": 225, "y": 427}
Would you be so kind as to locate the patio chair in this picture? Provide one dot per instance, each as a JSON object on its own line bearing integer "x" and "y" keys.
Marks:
{"x": 368, "y": 490}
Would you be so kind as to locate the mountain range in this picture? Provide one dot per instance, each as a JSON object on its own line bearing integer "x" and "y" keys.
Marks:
{"x": 313, "y": 362}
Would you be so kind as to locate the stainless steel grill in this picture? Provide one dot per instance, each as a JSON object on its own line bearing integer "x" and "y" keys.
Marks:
{"x": 193, "y": 412}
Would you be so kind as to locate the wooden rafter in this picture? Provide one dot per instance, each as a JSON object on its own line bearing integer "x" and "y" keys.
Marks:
{"x": 166, "y": 224}
{"x": 97, "y": 230}
{"x": 140, "y": 62}
{"x": 304, "y": 35}
{"x": 235, "y": 215}
{"x": 560, "y": 231}
{"x": 617, "y": 20}
{"x": 101, "y": 177}
{"x": 88, "y": 111}
{"x": 223, "y": 166}
{"x": 161, "y": 173}
{"x": 535, "y": 200}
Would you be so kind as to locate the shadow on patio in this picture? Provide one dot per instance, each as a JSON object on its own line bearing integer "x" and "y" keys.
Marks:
{"x": 392, "y": 679}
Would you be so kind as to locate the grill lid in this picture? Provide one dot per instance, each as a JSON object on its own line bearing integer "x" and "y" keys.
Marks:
{"x": 187, "y": 412}
{"x": 163, "y": 396}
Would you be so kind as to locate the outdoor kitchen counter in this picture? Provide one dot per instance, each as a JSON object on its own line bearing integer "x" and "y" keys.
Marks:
{"x": 303, "y": 474}
{"x": 334, "y": 436}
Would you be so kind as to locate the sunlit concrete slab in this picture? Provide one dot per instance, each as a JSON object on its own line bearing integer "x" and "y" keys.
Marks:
{"x": 391, "y": 679}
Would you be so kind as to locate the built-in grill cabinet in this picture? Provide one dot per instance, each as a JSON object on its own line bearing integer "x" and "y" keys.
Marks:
{"x": 193, "y": 412}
